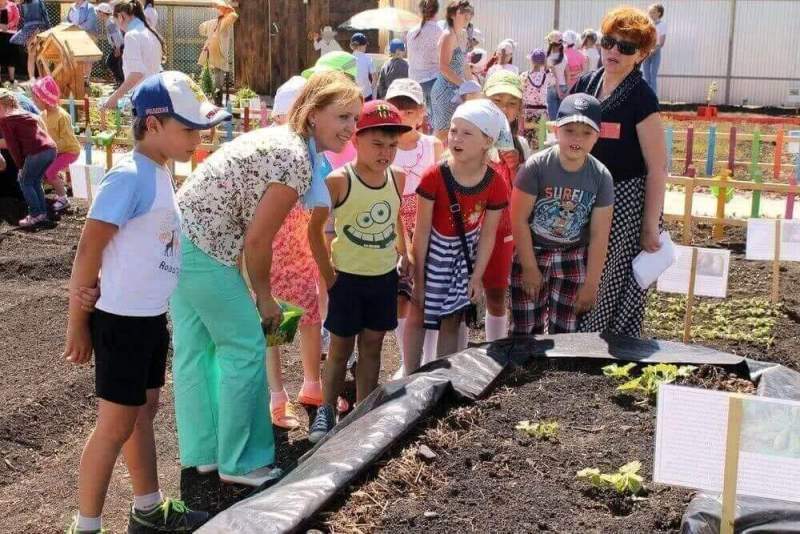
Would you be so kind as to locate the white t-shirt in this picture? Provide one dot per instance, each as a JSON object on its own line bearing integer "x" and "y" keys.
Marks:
{"x": 593, "y": 55}
{"x": 142, "y": 50}
{"x": 661, "y": 29}
{"x": 142, "y": 261}
{"x": 415, "y": 161}
{"x": 151, "y": 15}
{"x": 422, "y": 45}
{"x": 508, "y": 66}
{"x": 326, "y": 46}
{"x": 364, "y": 68}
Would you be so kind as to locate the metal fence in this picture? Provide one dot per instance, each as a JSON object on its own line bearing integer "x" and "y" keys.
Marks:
{"x": 178, "y": 23}
{"x": 750, "y": 47}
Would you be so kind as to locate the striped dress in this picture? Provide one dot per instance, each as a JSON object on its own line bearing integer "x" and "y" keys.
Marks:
{"x": 446, "y": 275}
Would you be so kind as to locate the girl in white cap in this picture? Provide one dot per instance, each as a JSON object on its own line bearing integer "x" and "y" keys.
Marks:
{"x": 454, "y": 238}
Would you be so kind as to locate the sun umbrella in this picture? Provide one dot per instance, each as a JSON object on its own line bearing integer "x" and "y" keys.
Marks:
{"x": 385, "y": 18}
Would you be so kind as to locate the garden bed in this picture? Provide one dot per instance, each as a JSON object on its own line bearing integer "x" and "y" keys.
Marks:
{"x": 488, "y": 475}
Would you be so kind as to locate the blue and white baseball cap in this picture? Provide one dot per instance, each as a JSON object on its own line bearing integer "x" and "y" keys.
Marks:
{"x": 174, "y": 94}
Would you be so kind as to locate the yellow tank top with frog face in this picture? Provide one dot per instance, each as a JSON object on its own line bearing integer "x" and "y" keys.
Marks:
{"x": 366, "y": 227}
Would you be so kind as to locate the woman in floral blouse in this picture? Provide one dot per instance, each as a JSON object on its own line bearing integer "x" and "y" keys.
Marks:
{"x": 232, "y": 206}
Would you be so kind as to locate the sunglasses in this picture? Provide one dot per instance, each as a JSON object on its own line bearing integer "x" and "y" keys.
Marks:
{"x": 626, "y": 48}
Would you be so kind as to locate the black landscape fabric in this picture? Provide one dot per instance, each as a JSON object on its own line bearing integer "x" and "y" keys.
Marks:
{"x": 395, "y": 408}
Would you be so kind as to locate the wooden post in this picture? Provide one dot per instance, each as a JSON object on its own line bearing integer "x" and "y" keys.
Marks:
{"x": 712, "y": 150}
{"x": 732, "y": 150}
{"x": 688, "y": 197}
{"x": 110, "y": 155}
{"x": 263, "y": 118}
{"x": 776, "y": 265}
{"x": 194, "y": 160}
{"x": 687, "y": 321}
{"x": 86, "y": 115}
{"x": 73, "y": 117}
{"x": 668, "y": 141}
{"x": 776, "y": 164}
{"x": 728, "y": 517}
{"x": 755, "y": 174}
{"x": 689, "y": 149}
{"x": 246, "y": 114}
{"x": 792, "y": 180}
{"x": 719, "y": 227}
{"x": 87, "y": 175}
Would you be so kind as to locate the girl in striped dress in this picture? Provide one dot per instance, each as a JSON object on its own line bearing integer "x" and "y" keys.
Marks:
{"x": 443, "y": 287}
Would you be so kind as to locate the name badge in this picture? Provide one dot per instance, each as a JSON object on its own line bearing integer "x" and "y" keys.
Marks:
{"x": 610, "y": 130}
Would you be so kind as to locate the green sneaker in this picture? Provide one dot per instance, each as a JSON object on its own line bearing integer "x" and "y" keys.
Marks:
{"x": 171, "y": 516}
{"x": 73, "y": 529}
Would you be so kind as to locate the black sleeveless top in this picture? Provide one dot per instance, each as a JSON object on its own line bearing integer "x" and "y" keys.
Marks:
{"x": 630, "y": 103}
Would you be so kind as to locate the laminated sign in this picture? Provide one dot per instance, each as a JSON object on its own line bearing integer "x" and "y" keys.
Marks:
{"x": 728, "y": 443}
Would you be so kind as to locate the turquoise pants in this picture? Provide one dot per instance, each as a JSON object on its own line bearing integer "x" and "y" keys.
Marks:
{"x": 219, "y": 371}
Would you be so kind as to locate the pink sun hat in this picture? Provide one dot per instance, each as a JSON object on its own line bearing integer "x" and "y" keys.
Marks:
{"x": 46, "y": 89}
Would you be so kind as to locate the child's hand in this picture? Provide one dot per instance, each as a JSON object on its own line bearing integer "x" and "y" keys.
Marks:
{"x": 404, "y": 267}
{"x": 88, "y": 297}
{"x": 531, "y": 281}
{"x": 79, "y": 343}
{"x": 475, "y": 288}
{"x": 270, "y": 312}
{"x": 585, "y": 298}
{"x": 418, "y": 291}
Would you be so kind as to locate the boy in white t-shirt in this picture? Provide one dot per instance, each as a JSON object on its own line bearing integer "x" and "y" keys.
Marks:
{"x": 132, "y": 235}
{"x": 365, "y": 75}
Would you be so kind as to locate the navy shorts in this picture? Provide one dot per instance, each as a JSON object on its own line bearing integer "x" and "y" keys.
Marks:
{"x": 357, "y": 303}
{"x": 130, "y": 356}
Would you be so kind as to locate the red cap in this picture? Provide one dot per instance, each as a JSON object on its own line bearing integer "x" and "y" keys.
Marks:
{"x": 380, "y": 114}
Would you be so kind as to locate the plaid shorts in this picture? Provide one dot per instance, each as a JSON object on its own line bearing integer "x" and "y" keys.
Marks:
{"x": 563, "y": 272}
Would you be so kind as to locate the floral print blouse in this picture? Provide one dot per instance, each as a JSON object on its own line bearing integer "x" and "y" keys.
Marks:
{"x": 219, "y": 199}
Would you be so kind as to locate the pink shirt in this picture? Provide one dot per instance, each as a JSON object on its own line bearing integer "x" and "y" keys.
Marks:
{"x": 340, "y": 159}
{"x": 13, "y": 15}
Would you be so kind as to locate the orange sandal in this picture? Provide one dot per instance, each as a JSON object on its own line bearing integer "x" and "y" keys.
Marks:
{"x": 309, "y": 400}
{"x": 283, "y": 416}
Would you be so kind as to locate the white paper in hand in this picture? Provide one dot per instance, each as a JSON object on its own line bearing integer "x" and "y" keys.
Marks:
{"x": 648, "y": 266}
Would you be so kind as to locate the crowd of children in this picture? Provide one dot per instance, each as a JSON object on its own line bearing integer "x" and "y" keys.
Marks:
{"x": 398, "y": 231}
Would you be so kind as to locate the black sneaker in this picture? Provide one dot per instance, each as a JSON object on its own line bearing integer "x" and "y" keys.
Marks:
{"x": 323, "y": 423}
{"x": 170, "y": 516}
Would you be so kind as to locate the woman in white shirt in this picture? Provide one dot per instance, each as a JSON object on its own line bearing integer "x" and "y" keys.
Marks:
{"x": 150, "y": 13}
{"x": 423, "y": 51}
{"x": 557, "y": 65}
{"x": 143, "y": 50}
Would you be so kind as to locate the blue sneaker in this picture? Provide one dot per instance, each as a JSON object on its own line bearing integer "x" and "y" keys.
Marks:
{"x": 323, "y": 423}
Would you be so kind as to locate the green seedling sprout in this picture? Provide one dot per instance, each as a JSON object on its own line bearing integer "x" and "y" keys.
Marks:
{"x": 618, "y": 372}
{"x": 625, "y": 481}
{"x": 544, "y": 430}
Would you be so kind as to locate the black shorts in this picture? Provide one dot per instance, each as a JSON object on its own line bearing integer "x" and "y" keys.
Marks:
{"x": 356, "y": 303}
{"x": 130, "y": 356}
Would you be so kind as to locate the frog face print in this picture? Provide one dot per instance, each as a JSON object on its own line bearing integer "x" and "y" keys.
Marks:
{"x": 371, "y": 229}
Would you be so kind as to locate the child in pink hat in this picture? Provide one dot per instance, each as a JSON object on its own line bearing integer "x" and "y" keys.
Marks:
{"x": 46, "y": 95}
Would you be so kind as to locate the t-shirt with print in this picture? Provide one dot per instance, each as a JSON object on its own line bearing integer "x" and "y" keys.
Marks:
{"x": 489, "y": 194}
{"x": 219, "y": 199}
{"x": 141, "y": 263}
{"x": 564, "y": 200}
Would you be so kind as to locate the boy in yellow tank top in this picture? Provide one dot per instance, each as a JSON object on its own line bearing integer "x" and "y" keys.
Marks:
{"x": 361, "y": 270}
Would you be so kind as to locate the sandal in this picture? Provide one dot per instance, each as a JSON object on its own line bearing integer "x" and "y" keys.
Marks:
{"x": 283, "y": 416}
{"x": 307, "y": 399}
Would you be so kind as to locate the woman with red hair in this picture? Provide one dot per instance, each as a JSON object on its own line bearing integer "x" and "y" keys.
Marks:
{"x": 632, "y": 146}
